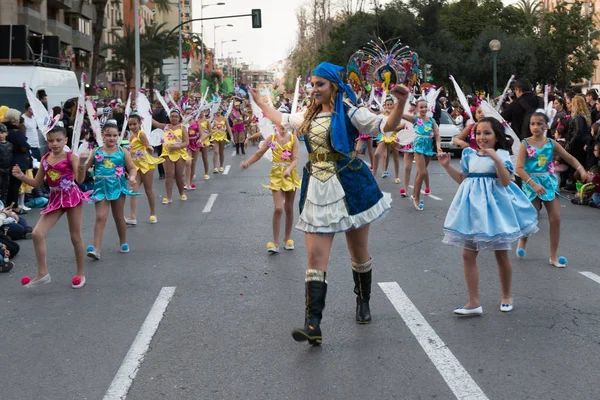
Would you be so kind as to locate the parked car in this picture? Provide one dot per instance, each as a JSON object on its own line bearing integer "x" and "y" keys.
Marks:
{"x": 448, "y": 130}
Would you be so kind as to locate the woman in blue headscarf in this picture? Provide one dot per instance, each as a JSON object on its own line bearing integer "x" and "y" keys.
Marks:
{"x": 339, "y": 193}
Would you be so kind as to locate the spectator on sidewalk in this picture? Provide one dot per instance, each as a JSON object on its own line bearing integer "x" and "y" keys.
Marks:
{"x": 31, "y": 131}
{"x": 518, "y": 112}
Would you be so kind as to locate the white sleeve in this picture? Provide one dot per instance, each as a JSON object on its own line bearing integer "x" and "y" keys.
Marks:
{"x": 292, "y": 121}
{"x": 366, "y": 122}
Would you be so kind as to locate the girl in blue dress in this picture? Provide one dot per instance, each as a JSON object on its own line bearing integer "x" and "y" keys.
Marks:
{"x": 111, "y": 164}
{"x": 426, "y": 131}
{"x": 535, "y": 166}
{"x": 488, "y": 212}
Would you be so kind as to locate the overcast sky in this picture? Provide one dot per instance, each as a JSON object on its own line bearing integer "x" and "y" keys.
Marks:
{"x": 271, "y": 43}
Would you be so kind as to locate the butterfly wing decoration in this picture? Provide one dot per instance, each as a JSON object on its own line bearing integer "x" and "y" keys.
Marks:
{"x": 144, "y": 110}
{"x": 169, "y": 100}
{"x": 462, "y": 98}
{"x": 126, "y": 116}
{"x": 431, "y": 98}
{"x": 77, "y": 125}
{"x": 95, "y": 124}
{"x": 296, "y": 96}
{"x": 155, "y": 137}
{"x": 265, "y": 126}
{"x": 230, "y": 108}
{"x": 501, "y": 101}
{"x": 162, "y": 101}
{"x": 491, "y": 112}
{"x": 214, "y": 108}
{"x": 40, "y": 114}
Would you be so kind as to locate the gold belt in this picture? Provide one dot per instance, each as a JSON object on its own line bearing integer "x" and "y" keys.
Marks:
{"x": 322, "y": 157}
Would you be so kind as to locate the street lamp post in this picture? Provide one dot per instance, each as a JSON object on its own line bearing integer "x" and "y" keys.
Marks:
{"x": 495, "y": 46}
{"x": 225, "y": 41}
{"x": 231, "y": 70}
{"x": 215, "y": 37}
{"x": 590, "y": 33}
{"x": 202, "y": 6}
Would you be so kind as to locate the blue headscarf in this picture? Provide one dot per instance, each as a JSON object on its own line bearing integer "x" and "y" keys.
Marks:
{"x": 339, "y": 135}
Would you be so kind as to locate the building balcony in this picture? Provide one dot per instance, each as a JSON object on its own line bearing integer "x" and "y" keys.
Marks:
{"x": 64, "y": 32}
{"x": 82, "y": 7}
{"x": 33, "y": 19}
{"x": 60, "y": 4}
{"x": 82, "y": 41}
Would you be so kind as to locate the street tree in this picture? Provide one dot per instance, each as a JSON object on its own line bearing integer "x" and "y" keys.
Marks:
{"x": 98, "y": 26}
{"x": 564, "y": 53}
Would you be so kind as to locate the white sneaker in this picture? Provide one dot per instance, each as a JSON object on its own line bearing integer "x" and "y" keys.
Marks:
{"x": 24, "y": 207}
{"x": 130, "y": 221}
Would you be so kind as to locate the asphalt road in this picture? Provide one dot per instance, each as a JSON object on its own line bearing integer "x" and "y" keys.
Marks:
{"x": 226, "y": 330}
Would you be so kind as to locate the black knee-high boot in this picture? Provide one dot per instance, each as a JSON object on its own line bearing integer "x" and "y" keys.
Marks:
{"x": 362, "y": 289}
{"x": 237, "y": 148}
{"x": 316, "y": 291}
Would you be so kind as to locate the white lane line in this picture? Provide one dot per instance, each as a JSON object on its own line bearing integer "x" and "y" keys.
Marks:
{"x": 457, "y": 378}
{"x": 429, "y": 195}
{"x": 591, "y": 275}
{"x": 210, "y": 203}
{"x": 233, "y": 154}
{"x": 131, "y": 364}
{"x": 227, "y": 168}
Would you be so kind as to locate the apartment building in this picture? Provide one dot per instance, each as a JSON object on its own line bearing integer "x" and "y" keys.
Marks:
{"x": 60, "y": 29}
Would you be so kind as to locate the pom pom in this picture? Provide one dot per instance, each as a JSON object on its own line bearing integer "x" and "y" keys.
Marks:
{"x": 25, "y": 280}
{"x": 562, "y": 260}
{"x": 76, "y": 280}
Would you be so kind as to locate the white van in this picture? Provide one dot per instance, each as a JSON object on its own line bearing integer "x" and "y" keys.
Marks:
{"x": 60, "y": 85}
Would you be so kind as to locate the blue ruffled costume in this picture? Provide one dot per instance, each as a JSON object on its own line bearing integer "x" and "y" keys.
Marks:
{"x": 110, "y": 180}
{"x": 484, "y": 215}
{"x": 540, "y": 167}
{"x": 423, "y": 143}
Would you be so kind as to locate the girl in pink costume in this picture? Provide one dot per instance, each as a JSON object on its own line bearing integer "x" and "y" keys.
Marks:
{"x": 192, "y": 149}
{"x": 59, "y": 168}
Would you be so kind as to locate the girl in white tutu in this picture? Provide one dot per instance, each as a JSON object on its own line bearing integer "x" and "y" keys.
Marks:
{"x": 488, "y": 212}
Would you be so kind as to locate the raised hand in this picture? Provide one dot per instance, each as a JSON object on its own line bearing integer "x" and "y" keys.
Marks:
{"x": 255, "y": 93}
{"x": 400, "y": 92}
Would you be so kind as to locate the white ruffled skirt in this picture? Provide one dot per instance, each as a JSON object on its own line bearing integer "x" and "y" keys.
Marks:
{"x": 325, "y": 209}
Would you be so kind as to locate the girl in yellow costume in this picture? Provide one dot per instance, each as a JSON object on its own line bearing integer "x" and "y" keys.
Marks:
{"x": 145, "y": 163}
{"x": 388, "y": 145}
{"x": 218, "y": 138}
{"x": 204, "y": 129}
{"x": 284, "y": 182}
{"x": 175, "y": 154}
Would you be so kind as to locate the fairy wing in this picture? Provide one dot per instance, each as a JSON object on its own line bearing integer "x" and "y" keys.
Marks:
{"x": 40, "y": 114}
{"x": 155, "y": 137}
{"x": 461, "y": 98}
{"x": 126, "y": 116}
{"x": 80, "y": 112}
{"x": 95, "y": 124}
{"x": 162, "y": 101}
{"x": 296, "y": 96}
{"x": 491, "y": 112}
{"x": 144, "y": 111}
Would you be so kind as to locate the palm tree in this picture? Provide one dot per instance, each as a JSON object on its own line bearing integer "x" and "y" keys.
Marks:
{"x": 152, "y": 42}
{"x": 98, "y": 26}
{"x": 123, "y": 60}
{"x": 531, "y": 12}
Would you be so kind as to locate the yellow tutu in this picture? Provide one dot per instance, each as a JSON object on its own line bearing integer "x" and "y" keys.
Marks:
{"x": 282, "y": 158}
{"x": 174, "y": 137}
{"x": 143, "y": 160}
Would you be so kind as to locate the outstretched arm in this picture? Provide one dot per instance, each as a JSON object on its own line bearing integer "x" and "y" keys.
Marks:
{"x": 255, "y": 157}
{"x": 270, "y": 113}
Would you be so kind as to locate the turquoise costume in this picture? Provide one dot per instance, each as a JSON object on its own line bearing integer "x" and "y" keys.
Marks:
{"x": 484, "y": 215}
{"x": 110, "y": 180}
{"x": 540, "y": 167}
{"x": 423, "y": 143}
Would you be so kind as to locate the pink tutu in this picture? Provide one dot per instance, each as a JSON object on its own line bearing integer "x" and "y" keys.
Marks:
{"x": 364, "y": 136}
{"x": 64, "y": 193}
{"x": 238, "y": 128}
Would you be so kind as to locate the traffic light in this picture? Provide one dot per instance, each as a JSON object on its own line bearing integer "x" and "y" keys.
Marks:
{"x": 256, "y": 18}
{"x": 428, "y": 73}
